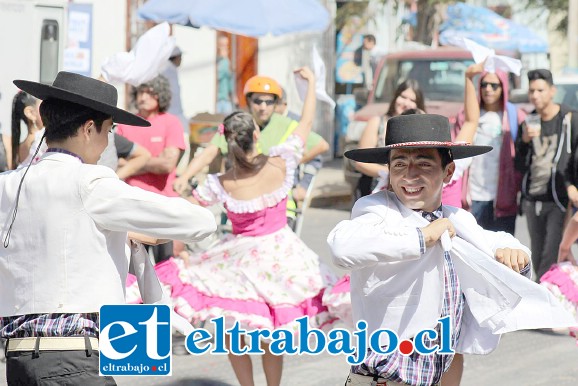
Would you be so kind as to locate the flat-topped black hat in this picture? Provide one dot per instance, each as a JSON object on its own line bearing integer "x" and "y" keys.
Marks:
{"x": 413, "y": 132}
{"x": 85, "y": 91}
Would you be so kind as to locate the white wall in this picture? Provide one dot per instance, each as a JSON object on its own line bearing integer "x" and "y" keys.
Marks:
{"x": 280, "y": 55}
{"x": 197, "y": 73}
{"x": 20, "y": 31}
{"x": 108, "y": 34}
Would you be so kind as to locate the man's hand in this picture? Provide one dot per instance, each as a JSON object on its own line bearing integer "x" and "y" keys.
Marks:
{"x": 306, "y": 73}
{"x": 147, "y": 240}
{"x": 529, "y": 133}
{"x": 573, "y": 195}
{"x": 515, "y": 259}
{"x": 434, "y": 231}
{"x": 475, "y": 69}
{"x": 180, "y": 185}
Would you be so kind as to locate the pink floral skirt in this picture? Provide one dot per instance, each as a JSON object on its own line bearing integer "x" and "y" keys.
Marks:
{"x": 562, "y": 281}
{"x": 260, "y": 281}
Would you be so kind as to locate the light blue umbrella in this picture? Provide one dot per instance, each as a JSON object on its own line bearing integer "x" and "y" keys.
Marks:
{"x": 253, "y": 18}
{"x": 489, "y": 29}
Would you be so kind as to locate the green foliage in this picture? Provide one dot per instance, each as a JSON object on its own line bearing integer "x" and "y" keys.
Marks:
{"x": 347, "y": 10}
{"x": 553, "y": 6}
{"x": 425, "y": 8}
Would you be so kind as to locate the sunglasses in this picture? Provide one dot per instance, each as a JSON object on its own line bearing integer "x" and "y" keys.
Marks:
{"x": 494, "y": 86}
{"x": 268, "y": 102}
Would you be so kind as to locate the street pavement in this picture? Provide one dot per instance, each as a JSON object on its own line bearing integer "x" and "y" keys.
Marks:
{"x": 528, "y": 358}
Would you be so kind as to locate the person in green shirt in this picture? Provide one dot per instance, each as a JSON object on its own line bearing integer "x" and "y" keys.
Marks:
{"x": 262, "y": 94}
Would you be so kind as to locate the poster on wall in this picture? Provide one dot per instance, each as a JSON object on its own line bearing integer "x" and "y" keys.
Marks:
{"x": 78, "y": 51}
{"x": 349, "y": 39}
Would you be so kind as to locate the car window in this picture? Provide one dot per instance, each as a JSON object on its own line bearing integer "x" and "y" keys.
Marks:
{"x": 441, "y": 80}
{"x": 567, "y": 94}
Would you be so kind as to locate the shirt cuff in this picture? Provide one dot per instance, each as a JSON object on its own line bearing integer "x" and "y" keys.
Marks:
{"x": 421, "y": 241}
{"x": 524, "y": 271}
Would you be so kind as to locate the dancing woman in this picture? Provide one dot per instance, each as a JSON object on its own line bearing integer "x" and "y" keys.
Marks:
{"x": 262, "y": 275}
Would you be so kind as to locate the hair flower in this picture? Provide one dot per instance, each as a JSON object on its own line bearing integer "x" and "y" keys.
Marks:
{"x": 221, "y": 129}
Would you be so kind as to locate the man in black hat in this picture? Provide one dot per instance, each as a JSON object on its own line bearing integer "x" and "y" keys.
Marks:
{"x": 414, "y": 262}
{"x": 64, "y": 231}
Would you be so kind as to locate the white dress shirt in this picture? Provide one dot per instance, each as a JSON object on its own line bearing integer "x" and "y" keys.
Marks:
{"x": 394, "y": 286}
{"x": 67, "y": 245}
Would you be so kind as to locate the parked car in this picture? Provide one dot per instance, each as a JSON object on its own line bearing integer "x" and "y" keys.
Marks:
{"x": 441, "y": 75}
{"x": 567, "y": 90}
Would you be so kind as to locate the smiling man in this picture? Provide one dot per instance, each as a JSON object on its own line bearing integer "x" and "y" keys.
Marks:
{"x": 406, "y": 273}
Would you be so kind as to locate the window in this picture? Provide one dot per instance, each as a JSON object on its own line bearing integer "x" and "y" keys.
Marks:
{"x": 441, "y": 80}
{"x": 567, "y": 94}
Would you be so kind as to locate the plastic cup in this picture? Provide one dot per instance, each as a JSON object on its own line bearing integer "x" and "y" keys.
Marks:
{"x": 534, "y": 123}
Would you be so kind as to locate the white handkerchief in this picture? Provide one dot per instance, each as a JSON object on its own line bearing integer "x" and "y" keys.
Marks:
{"x": 150, "y": 287}
{"x": 493, "y": 62}
{"x": 320, "y": 75}
{"x": 145, "y": 61}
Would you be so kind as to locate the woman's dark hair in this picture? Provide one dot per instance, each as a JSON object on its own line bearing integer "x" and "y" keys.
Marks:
{"x": 413, "y": 111}
{"x": 158, "y": 87}
{"x": 239, "y": 128}
{"x": 19, "y": 103}
{"x": 407, "y": 84}
{"x": 62, "y": 118}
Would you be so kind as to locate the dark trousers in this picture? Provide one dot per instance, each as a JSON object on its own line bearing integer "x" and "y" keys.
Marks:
{"x": 483, "y": 211}
{"x": 364, "y": 186}
{"x": 54, "y": 368}
{"x": 545, "y": 223}
{"x": 162, "y": 252}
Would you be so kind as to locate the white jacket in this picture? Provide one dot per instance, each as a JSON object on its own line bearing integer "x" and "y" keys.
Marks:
{"x": 67, "y": 245}
{"x": 394, "y": 287}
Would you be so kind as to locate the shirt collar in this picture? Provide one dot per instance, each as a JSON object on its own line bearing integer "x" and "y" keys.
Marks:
{"x": 438, "y": 213}
{"x": 63, "y": 151}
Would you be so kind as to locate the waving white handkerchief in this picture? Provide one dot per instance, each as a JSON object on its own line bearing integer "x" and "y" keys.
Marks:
{"x": 149, "y": 286}
{"x": 493, "y": 62}
{"x": 145, "y": 61}
{"x": 320, "y": 74}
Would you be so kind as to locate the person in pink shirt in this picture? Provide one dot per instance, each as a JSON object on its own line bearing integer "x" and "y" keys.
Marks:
{"x": 163, "y": 139}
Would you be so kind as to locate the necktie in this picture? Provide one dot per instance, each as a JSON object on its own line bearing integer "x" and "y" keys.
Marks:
{"x": 429, "y": 216}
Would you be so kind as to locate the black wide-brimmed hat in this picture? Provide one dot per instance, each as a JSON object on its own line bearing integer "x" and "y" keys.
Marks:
{"x": 85, "y": 91}
{"x": 416, "y": 131}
